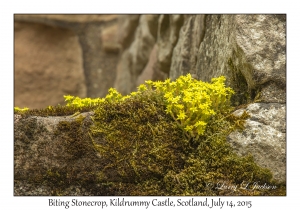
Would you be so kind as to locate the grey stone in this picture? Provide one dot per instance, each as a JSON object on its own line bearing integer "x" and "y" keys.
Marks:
{"x": 124, "y": 81}
{"x": 40, "y": 154}
{"x": 262, "y": 38}
{"x": 248, "y": 49}
{"x": 264, "y": 137}
{"x": 271, "y": 93}
{"x": 148, "y": 72}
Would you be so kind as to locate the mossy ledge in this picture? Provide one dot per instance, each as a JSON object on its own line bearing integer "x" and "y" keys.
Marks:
{"x": 134, "y": 146}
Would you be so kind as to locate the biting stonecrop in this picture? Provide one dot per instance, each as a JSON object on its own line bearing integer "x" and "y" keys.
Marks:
{"x": 112, "y": 96}
{"x": 19, "y": 110}
{"x": 190, "y": 102}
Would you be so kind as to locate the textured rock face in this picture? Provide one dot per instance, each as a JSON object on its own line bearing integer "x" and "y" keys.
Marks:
{"x": 43, "y": 153}
{"x": 264, "y": 137}
{"x": 66, "y": 18}
{"x": 148, "y": 71}
{"x": 248, "y": 49}
{"x": 48, "y": 65}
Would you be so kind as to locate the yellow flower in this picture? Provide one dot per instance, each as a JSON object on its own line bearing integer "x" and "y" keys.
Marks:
{"x": 194, "y": 109}
{"x": 181, "y": 115}
{"x": 187, "y": 78}
{"x": 200, "y": 124}
{"x": 188, "y": 128}
{"x": 17, "y": 109}
{"x": 180, "y": 82}
{"x": 125, "y": 97}
{"x": 175, "y": 100}
{"x": 169, "y": 109}
{"x": 179, "y": 106}
{"x": 142, "y": 88}
{"x": 158, "y": 84}
{"x": 68, "y": 98}
{"x": 168, "y": 95}
{"x": 167, "y": 81}
{"x": 133, "y": 93}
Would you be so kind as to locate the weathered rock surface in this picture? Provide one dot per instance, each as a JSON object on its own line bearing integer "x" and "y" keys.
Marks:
{"x": 51, "y": 18}
{"x": 127, "y": 25}
{"x": 56, "y": 55}
{"x": 43, "y": 154}
{"x": 264, "y": 137}
{"x": 248, "y": 49}
{"x": 148, "y": 71}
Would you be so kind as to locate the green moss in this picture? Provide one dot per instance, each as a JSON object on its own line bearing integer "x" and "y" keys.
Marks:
{"x": 138, "y": 139}
{"x": 73, "y": 138}
{"x": 70, "y": 137}
{"x": 160, "y": 140}
{"x": 77, "y": 146}
{"x": 146, "y": 145}
{"x": 210, "y": 161}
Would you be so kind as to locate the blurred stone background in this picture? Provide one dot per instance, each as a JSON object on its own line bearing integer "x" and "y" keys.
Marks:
{"x": 85, "y": 55}
{"x": 57, "y": 55}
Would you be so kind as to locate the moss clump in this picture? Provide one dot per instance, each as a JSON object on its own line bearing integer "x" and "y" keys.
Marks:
{"x": 145, "y": 140}
{"x": 73, "y": 138}
{"x": 166, "y": 162}
{"x": 138, "y": 139}
{"x": 168, "y": 138}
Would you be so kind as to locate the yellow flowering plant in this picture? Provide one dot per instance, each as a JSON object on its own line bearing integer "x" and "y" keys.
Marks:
{"x": 79, "y": 102}
{"x": 19, "y": 110}
{"x": 192, "y": 103}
